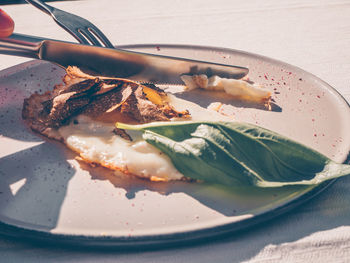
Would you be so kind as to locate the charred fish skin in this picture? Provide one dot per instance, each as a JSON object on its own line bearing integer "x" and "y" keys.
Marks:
{"x": 94, "y": 96}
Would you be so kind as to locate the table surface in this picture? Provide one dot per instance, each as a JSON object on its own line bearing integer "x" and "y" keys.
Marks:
{"x": 311, "y": 34}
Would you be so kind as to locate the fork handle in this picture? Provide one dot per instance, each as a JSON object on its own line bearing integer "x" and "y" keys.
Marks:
{"x": 20, "y": 45}
{"x": 41, "y": 5}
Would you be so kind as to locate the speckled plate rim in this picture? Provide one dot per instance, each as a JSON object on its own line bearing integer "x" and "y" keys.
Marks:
{"x": 179, "y": 238}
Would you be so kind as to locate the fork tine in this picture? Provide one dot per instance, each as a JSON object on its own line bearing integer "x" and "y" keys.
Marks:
{"x": 90, "y": 37}
{"x": 101, "y": 37}
{"x": 80, "y": 37}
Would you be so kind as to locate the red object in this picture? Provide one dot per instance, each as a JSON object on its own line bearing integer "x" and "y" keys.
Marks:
{"x": 6, "y": 24}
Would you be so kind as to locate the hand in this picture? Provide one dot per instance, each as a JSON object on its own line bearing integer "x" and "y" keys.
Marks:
{"x": 6, "y": 24}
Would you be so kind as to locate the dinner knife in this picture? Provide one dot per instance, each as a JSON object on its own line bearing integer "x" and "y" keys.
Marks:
{"x": 115, "y": 62}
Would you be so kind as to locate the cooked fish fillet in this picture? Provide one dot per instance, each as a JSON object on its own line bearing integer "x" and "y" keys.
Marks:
{"x": 82, "y": 112}
{"x": 96, "y": 97}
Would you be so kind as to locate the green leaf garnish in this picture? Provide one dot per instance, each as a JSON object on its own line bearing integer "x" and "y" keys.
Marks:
{"x": 240, "y": 154}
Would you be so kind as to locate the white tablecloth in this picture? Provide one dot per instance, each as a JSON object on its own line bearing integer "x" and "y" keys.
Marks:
{"x": 312, "y": 34}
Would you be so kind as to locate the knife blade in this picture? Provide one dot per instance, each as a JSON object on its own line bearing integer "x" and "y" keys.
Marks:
{"x": 115, "y": 62}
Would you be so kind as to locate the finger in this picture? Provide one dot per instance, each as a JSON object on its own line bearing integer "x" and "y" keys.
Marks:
{"x": 7, "y": 25}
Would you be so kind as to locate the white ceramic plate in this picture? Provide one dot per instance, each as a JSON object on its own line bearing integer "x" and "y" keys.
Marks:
{"x": 47, "y": 195}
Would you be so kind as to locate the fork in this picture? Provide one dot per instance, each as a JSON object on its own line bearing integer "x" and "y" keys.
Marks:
{"x": 80, "y": 28}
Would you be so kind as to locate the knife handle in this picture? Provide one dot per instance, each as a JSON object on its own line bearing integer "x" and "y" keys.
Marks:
{"x": 20, "y": 45}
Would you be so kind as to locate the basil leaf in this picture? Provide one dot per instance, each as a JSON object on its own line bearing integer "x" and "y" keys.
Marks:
{"x": 241, "y": 154}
